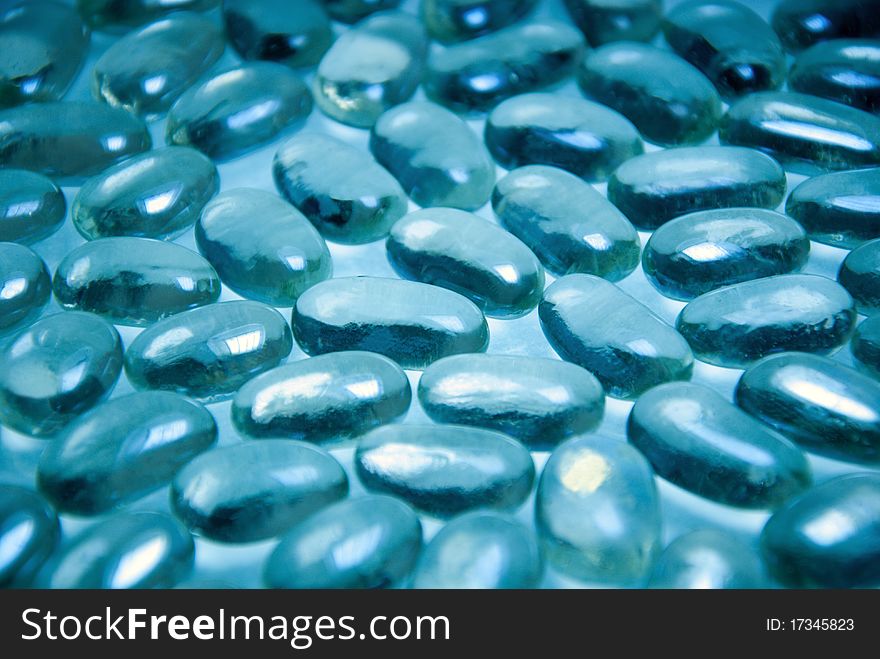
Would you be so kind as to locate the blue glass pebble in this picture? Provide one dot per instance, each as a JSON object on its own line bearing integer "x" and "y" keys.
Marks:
{"x": 32, "y": 207}
{"x": 708, "y": 559}
{"x": 866, "y": 346}
{"x": 843, "y": 70}
{"x": 122, "y": 15}
{"x": 602, "y": 21}
{"x": 25, "y": 287}
{"x": 859, "y": 274}
{"x": 460, "y": 20}
{"x": 351, "y": 11}
{"x": 802, "y": 23}
{"x": 29, "y": 533}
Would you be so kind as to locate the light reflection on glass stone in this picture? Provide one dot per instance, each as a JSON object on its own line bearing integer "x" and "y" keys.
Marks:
{"x": 25, "y": 287}
{"x": 708, "y": 559}
{"x": 802, "y": 23}
{"x": 603, "y": 21}
{"x": 460, "y": 20}
{"x": 29, "y": 533}
{"x": 843, "y": 70}
{"x": 32, "y": 207}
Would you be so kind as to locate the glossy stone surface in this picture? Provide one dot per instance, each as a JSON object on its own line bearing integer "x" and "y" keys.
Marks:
{"x": 580, "y": 136}
{"x": 708, "y": 559}
{"x": 134, "y": 281}
{"x": 325, "y": 398}
{"x": 412, "y": 323}
{"x": 829, "y": 538}
{"x": 478, "y": 74}
{"x": 594, "y": 324}
{"x": 735, "y": 325}
{"x": 655, "y": 187}
{"x": 603, "y": 21}
{"x": 118, "y": 15}
{"x": 351, "y": 11}
{"x": 32, "y": 207}
{"x": 209, "y": 352}
{"x": 445, "y": 470}
{"x": 434, "y": 155}
{"x": 371, "y": 68}
{"x": 459, "y": 20}
{"x": 478, "y": 551}
{"x": 256, "y": 490}
{"x": 28, "y": 534}
{"x": 866, "y": 346}
{"x": 239, "y": 110}
{"x": 586, "y": 482}
{"x": 367, "y": 542}
{"x": 25, "y": 287}
{"x": 540, "y": 402}
{"x": 697, "y": 440}
{"x": 843, "y": 70}
{"x": 568, "y": 225}
{"x": 272, "y": 260}
{"x": 55, "y": 370}
{"x": 699, "y": 252}
{"x": 346, "y": 194}
{"x": 469, "y": 255}
{"x": 122, "y": 450}
{"x": 668, "y": 100}
{"x": 859, "y": 274}
{"x": 802, "y": 23}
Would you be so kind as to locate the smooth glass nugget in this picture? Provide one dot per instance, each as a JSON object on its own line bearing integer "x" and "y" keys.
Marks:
{"x": 469, "y": 255}
{"x": 802, "y": 23}
{"x": 434, "y": 155}
{"x": 256, "y": 490}
{"x": 859, "y": 274}
{"x": 586, "y": 482}
{"x": 829, "y": 538}
{"x": 708, "y": 559}
{"x": 445, "y": 470}
{"x": 699, "y": 252}
{"x": 262, "y": 247}
{"x": 480, "y": 550}
{"x": 32, "y": 207}
{"x": 459, "y": 20}
{"x": 351, "y": 11}
{"x": 122, "y": 450}
{"x": 540, "y": 402}
{"x": 866, "y": 346}
{"x": 567, "y": 224}
{"x": 594, "y": 324}
{"x": 25, "y": 287}
{"x": 348, "y": 196}
{"x": 55, "y": 370}
{"x": 412, "y": 323}
{"x": 655, "y": 187}
{"x": 603, "y": 21}
{"x": 843, "y": 70}
{"x": 367, "y": 542}
{"x": 121, "y": 15}
{"x": 29, "y": 533}
{"x": 696, "y": 439}
{"x": 325, "y": 398}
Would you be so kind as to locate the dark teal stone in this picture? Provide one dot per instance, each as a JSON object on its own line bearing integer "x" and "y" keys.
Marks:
{"x": 272, "y": 260}
{"x": 594, "y": 324}
{"x": 829, "y": 538}
{"x": 412, "y": 323}
{"x": 699, "y": 252}
{"x": 29, "y": 533}
{"x": 120, "y": 15}
{"x": 367, "y": 542}
{"x": 708, "y": 559}
{"x": 55, "y": 370}
{"x": 445, "y": 470}
{"x": 239, "y": 110}
{"x": 859, "y": 274}
{"x": 256, "y": 490}
{"x": 434, "y": 155}
{"x": 122, "y": 450}
{"x": 844, "y": 70}
{"x": 697, "y": 440}
{"x": 580, "y": 136}
{"x": 655, "y": 187}
{"x": 802, "y": 23}
{"x": 32, "y": 207}
{"x": 540, "y": 402}
{"x": 459, "y": 20}
{"x": 480, "y": 550}
{"x": 347, "y": 195}
{"x": 735, "y": 325}
{"x": 668, "y": 100}
{"x": 25, "y": 287}
{"x": 351, "y": 11}
{"x": 567, "y": 224}
{"x": 477, "y": 75}
{"x": 866, "y": 346}
{"x": 325, "y": 398}
{"x": 602, "y": 21}
{"x": 469, "y": 255}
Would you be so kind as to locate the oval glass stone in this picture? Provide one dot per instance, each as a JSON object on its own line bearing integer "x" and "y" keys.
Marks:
{"x": 239, "y": 110}
{"x": 859, "y": 274}
{"x": 843, "y": 70}
{"x": 117, "y": 15}
{"x": 540, "y": 402}
{"x": 477, "y": 75}
{"x": 122, "y": 450}
{"x": 351, "y": 11}
{"x": 445, "y": 470}
{"x": 55, "y": 370}
{"x": 374, "y": 66}
{"x": 69, "y": 141}
{"x": 667, "y": 99}
{"x": 603, "y": 21}
{"x": 708, "y": 559}
{"x": 459, "y": 20}
{"x": 469, "y": 255}
{"x": 127, "y": 550}
{"x": 434, "y": 155}
{"x": 594, "y": 324}
{"x": 368, "y": 542}
{"x": 568, "y": 224}
{"x": 134, "y": 281}
{"x": 829, "y": 538}
{"x": 697, "y": 440}
{"x": 655, "y": 187}
{"x": 32, "y": 207}
{"x": 256, "y": 490}
{"x": 25, "y": 287}
{"x": 866, "y": 346}
{"x": 802, "y": 23}
{"x": 580, "y": 136}
{"x": 328, "y": 397}
{"x": 412, "y": 323}
{"x": 735, "y": 325}
{"x": 699, "y": 252}
{"x": 29, "y": 533}
{"x": 273, "y": 260}
{"x": 347, "y": 195}
{"x": 480, "y": 550}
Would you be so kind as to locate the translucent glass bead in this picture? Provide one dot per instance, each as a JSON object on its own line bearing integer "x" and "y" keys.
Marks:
{"x": 351, "y": 11}
{"x": 708, "y": 559}
{"x": 802, "y": 23}
{"x": 843, "y": 70}
{"x": 25, "y": 287}
{"x": 121, "y": 15}
{"x": 29, "y": 533}
{"x": 859, "y": 274}
{"x": 460, "y": 20}
{"x": 866, "y": 346}
{"x": 603, "y": 21}
{"x": 32, "y": 207}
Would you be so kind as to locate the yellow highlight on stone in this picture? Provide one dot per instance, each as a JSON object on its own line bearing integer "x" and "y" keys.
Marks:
{"x": 584, "y": 471}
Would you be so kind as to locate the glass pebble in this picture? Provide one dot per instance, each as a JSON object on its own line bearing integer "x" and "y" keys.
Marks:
{"x": 122, "y": 15}
{"x": 460, "y": 20}
{"x": 25, "y": 287}
{"x": 802, "y": 23}
{"x": 29, "y": 533}
{"x": 859, "y": 274}
{"x": 866, "y": 346}
{"x": 843, "y": 70}
{"x": 603, "y": 21}
{"x": 32, "y": 207}
{"x": 351, "y": 11}
{"x": 708, "y": 559}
